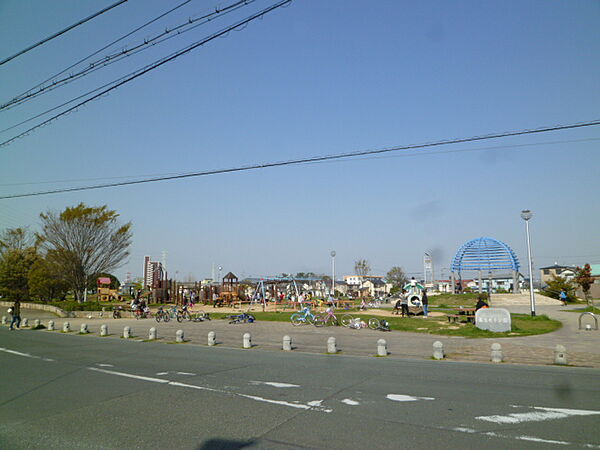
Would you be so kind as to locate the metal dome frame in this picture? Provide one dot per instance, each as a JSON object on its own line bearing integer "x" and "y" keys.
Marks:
{"x": 485, "y": 254}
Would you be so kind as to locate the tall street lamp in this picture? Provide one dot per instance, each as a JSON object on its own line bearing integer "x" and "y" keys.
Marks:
{"x": 333, "y": 273}
{"x": 526, "y": 215}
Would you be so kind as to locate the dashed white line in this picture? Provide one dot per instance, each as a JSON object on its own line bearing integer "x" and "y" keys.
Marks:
{"x": 406, "y": 398}
{"x": 128, "y": 375}
{"x": 349, "y": 401}
{"x": 541, "y": 414}
{"x": 276, "y": 384}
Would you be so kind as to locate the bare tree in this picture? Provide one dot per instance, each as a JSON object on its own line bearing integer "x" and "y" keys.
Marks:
{"x": 84, "y": 241}
{"x": 362, "y": 267}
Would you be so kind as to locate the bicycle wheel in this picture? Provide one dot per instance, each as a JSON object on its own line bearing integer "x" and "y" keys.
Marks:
{"x": 186, "y": 315}
{"x": 319, "y": 321}
{"x": 297, "y": 319}
{"x": 179, "y": 318}
{"x": 374, "y": 323}
{"x": 346, "y": 320}
{"x": 158, "y": 316}
{"x": 201, "y": 314}
{"x": 166, "y": 317}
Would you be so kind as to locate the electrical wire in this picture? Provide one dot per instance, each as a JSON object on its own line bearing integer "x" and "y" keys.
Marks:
{"x": 150, "y": 22}
{"x": 317, "y": 158}
{"x": 420, "y": 153}
{"x": 118, "y": 56}
{"x": 69, "y": 28}
{"x": 151, "y": 67}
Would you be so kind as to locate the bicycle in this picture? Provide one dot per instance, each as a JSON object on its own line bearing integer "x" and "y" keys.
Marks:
{"x": 241, "y": 318}
{"x": 184, "y": 314}
{"x": 200, "y": 316}
{"x": 163, "y": 315}
{"x": 116, "y": 312}
{"x": 303, "y": 317}
{"x": 376, "y": 324}
{"x": 328, "y": 318}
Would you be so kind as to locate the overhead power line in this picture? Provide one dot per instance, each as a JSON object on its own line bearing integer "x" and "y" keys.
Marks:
{"x": 150, "y": 67}
{"x": 150, "y": 22}
{"x": 313, "y": 159}
{"x": 168, "y": 33}
{"x": 69, "y": 28}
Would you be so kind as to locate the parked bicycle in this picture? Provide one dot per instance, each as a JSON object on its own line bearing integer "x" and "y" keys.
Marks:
{"x": 329, "y": 318}
{"x": 116, "y": 312}
{"x": 377, "y": 324}
{"x": 199, "y": 316}
{"x": 183, "y": 314}
{"x": 303, "y": 317}
{"x": 241, "y": 318}
{"x": 371, "y": 304}
{"x": 163, "y": 315}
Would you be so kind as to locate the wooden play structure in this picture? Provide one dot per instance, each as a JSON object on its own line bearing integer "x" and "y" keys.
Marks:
{"x": 105, "y": 293}
{"x": 230, "y": 289}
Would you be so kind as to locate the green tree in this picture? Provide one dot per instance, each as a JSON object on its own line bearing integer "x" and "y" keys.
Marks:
{"x": 45, "y": 282}
{"x": 558, "y": 283}
{"x": 584, "y": 279}
{"x": 397, "y": 278}
{"x": 16, "y": 239}
{"x": 362, "y": 267}
{"x": 14, "y": 271}
{"x": 83, "y": 241}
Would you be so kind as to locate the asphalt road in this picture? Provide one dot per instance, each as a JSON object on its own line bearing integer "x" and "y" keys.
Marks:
{"x": 86, "y": 392}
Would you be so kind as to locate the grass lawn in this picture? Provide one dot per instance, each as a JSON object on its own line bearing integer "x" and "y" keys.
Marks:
{"x": 452, "y": 300}
{"x": 522, "y": 324}
{"x": 591, "y": 309}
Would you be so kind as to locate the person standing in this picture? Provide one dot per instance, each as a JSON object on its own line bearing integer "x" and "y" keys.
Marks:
{"x": 16, "y": 315}
{"x": 404, "y": 304}
{"x": 425, "y": 302}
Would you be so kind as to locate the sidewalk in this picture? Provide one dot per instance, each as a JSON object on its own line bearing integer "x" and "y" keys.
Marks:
{"x": 583, "y": 347}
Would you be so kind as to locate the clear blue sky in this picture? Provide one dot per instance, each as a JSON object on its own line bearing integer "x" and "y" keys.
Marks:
{"x": 315, "y": 78}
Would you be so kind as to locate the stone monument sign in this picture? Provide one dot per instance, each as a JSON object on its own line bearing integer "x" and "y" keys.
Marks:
{"x": 493, "y": 319}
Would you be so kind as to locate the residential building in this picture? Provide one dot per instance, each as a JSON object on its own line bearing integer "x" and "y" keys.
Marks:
{"x": 547, "y": 273}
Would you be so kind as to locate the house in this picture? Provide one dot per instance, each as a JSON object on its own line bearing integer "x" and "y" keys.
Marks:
{"x": 502, "y": 282}
{"x": 357, "y": 280}
{"x": 375, "y": 287}
{"x": 547, "y": 273}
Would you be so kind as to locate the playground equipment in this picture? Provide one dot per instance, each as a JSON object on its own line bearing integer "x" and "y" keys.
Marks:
{"x": 414, "y": 292}
{"x": 230, "y": 289}
{"x": 588, "y": 314}
{"x": 105, "y": 293}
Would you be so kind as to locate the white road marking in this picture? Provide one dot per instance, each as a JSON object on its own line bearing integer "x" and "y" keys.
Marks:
{"x": 315, "y": 403}
{"x": 315, "y": 406}
{"x": 14, "y": 352}
{"x": 350, "y": 402}
{"x": 185, "y": 373}
{"x": 128, "y": 375}
{"x": 540, "y": 415}
{"x": 104, "y": 365}
{"x": 464, "y": 430}
{"x": 162, "y": 373}
{"x": 406, "y": 398}
{"x": 547, "y": 441}
{"x": 276, "y": 384}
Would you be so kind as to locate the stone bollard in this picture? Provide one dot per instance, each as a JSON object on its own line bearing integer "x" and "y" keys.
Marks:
{"x": 179, "y": 336}
{"x": 126, "y": 332}
{"x": 212, "y": 338}
{"x": 560, "y": 355}
{"x": 36, "y": 323}
{"x": 246, "y": 341}
{"x": 496, "y": 355}
{"x": 104, "y": 330}
{"x": 287, "y": 343}
{"x": 438, "y": 350}
{"x": 382, "y": 348}
{"x": 51, "y": 325}
{"x": 66, "y": 327}
{"x": 3, "y": 320}
{"x": 83, "y": 329}
{"x": 331, "y": 346}
{"x": 152, "y": 334}
{"x": 25, "y": 322}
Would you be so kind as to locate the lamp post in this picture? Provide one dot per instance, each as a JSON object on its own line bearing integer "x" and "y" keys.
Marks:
{"x": 332, "y": 273}
{"x": 526, "y": 215}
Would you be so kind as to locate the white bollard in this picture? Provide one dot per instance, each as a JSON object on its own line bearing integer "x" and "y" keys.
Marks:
{"x": 3, "y": 320}
{"x": 496, "y": 355}
{"x": 126, "y": 332}
{"x": 66, "y": 327}
{"x": 246, "y": 341}
{"x": 83, "y": 329}
{"x": 287, "y": 343}
{"x": 103, "y": 330}
{"x": 179, "y": 336}
{"x": 152, "y": 334}
{"x": 438, "y": 350}
{"x": 25, "y": 322}
{"x": 212, "y": 338}
{"x": 51, "y": 325}
{"x": 382, "y": 348}
{"x": 331, "y": 345}
{"x": 560, "y": 355}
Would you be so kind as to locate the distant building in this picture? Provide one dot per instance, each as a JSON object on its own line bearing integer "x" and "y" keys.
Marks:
{"x": 547, "y": 273}
{"x": 357, "y": 280}
{"x": 153, "y": 273}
